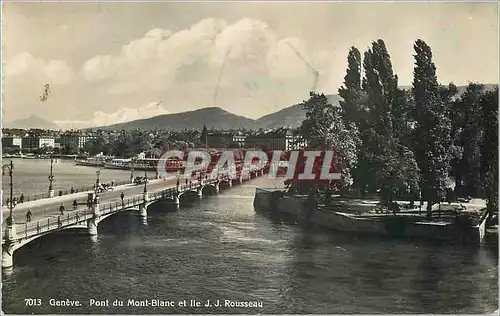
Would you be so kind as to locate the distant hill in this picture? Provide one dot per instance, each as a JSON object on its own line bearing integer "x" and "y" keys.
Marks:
{"x": 32, "y": 121}
{"x": 212, "y": 117}
{"x": 291, "y": 116}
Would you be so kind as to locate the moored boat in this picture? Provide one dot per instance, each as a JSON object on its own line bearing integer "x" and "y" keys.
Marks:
{"x": 89, "y": 162}
{"x": 149, "y": 164}
{"x": 117, "y": 163}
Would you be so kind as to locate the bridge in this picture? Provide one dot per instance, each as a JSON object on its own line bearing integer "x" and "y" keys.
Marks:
{"x": 87, "y": 219}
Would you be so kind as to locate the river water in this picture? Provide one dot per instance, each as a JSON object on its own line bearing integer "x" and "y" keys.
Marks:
{"x": 219, "y": 248}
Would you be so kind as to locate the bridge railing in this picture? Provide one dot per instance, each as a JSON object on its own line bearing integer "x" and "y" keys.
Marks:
{"x": 82, "y": 215}
{"x": 41, "y": 196}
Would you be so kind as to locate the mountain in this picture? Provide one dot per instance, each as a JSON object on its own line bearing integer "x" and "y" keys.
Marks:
{"x": 32, "y": 121}
{"x": 291, "y": 116}
{"x": 217, "y": 118}
{"x": 212, "y": 117}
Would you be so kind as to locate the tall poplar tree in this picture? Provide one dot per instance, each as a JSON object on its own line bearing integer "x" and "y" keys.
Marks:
{"x": 471, "y": 138}
{"x": 433, "y": 127}
{"x": 351, "y": 91}
{"x": 489, "y": 149}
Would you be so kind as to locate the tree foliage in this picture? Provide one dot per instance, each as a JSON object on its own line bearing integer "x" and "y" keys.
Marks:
{"x": 489, "y": 149}
{"x": 324, "y": 129}
{"x": 433, "y": 127}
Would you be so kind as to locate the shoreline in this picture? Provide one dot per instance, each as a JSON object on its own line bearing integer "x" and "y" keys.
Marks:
{"x": 453, "y": 223}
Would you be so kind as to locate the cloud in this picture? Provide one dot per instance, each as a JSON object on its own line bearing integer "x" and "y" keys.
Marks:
{"x": 24, "y": 65}
{"x": 121, "y": 116}
{"x": 163, "y": 59}
{"x": 156, "y": 56}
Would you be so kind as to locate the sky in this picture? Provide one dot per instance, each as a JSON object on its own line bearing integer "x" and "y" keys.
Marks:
{"x": 113, "y": 62}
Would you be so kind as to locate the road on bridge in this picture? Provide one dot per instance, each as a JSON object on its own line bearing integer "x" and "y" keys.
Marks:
{"x": 51, "y": 209}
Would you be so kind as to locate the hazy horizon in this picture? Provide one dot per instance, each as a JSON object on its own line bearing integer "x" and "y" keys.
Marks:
{"x": 113, "y": 62}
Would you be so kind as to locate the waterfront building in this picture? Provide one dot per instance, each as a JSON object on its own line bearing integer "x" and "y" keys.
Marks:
{"x": 75, "y": 137}
{"x": 294, "y": 141}
{"x": 38, "y": 141}
{"x": 279, "y": 139}
{"x": 11, "y": 141}
{"x": 239, "y": 139}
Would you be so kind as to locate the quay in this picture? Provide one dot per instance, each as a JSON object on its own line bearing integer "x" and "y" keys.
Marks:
{"x": 47, "y": 219}
{"x": 361, "y": 217}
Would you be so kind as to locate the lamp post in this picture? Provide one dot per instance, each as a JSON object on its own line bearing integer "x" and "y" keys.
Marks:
{"x": 12, "y": 203}
{"x": 145, "y": 180}
{"x": 51, "y": 177}
{"x": 98, "y": 172}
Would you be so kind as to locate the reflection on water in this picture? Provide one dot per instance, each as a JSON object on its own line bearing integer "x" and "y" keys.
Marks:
{"x": 219, "y": 248}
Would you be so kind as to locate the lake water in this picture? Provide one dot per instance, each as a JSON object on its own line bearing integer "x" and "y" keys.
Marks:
{"x": 31, "y": 176}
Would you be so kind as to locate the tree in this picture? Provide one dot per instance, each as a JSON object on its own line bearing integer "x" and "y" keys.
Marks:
{"x": 469, "y": 166}
{"x": 324, "y": 129}
{"x": 71, "y": 148}
{"x": 391, "y": 163}
{"x": 433, "y": 127}
{"x": 403, "y": 118}
{"x": 204, "y": 135}
{"x": 351, "y": 91}
{"x": 489, "y": 149}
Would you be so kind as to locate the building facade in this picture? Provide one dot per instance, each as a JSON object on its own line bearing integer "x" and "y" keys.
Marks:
{"x": 76, "y": 138}
{"x": 12, "y": 141}
{"x": 38, "y": 142}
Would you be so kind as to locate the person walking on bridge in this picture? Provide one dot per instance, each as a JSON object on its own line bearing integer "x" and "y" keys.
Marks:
{"x": 28, "y": 216}
{"x": 21, "y": 198}
{"x": 122, "y": 196}
{"x": 61, "y": 209}
{"x": 75, "y": 204}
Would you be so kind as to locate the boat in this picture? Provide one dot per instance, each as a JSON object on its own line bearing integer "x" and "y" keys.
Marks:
{"x": 118, "y": 163}
{"x": 29, "y": 156}
{"x": 149, "y": 164}
{"x": 174, "y": 165}
{"x": 89, "y": 162}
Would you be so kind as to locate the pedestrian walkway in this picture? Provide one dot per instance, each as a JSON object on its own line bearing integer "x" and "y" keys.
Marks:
{"x": 65, "y": 198}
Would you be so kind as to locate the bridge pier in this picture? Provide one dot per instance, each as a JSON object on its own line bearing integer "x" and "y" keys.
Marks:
{"x": 92, "y": 222}
{"x": 10, "y": 233}
{"x": 7, "y": 248}
{"x": 200, "y": 192}
{"x": 143, "y": 212}
{"x": 92, "y": 226}
{"x": 7, "y": 260}
{"x": 177, "y": 201}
